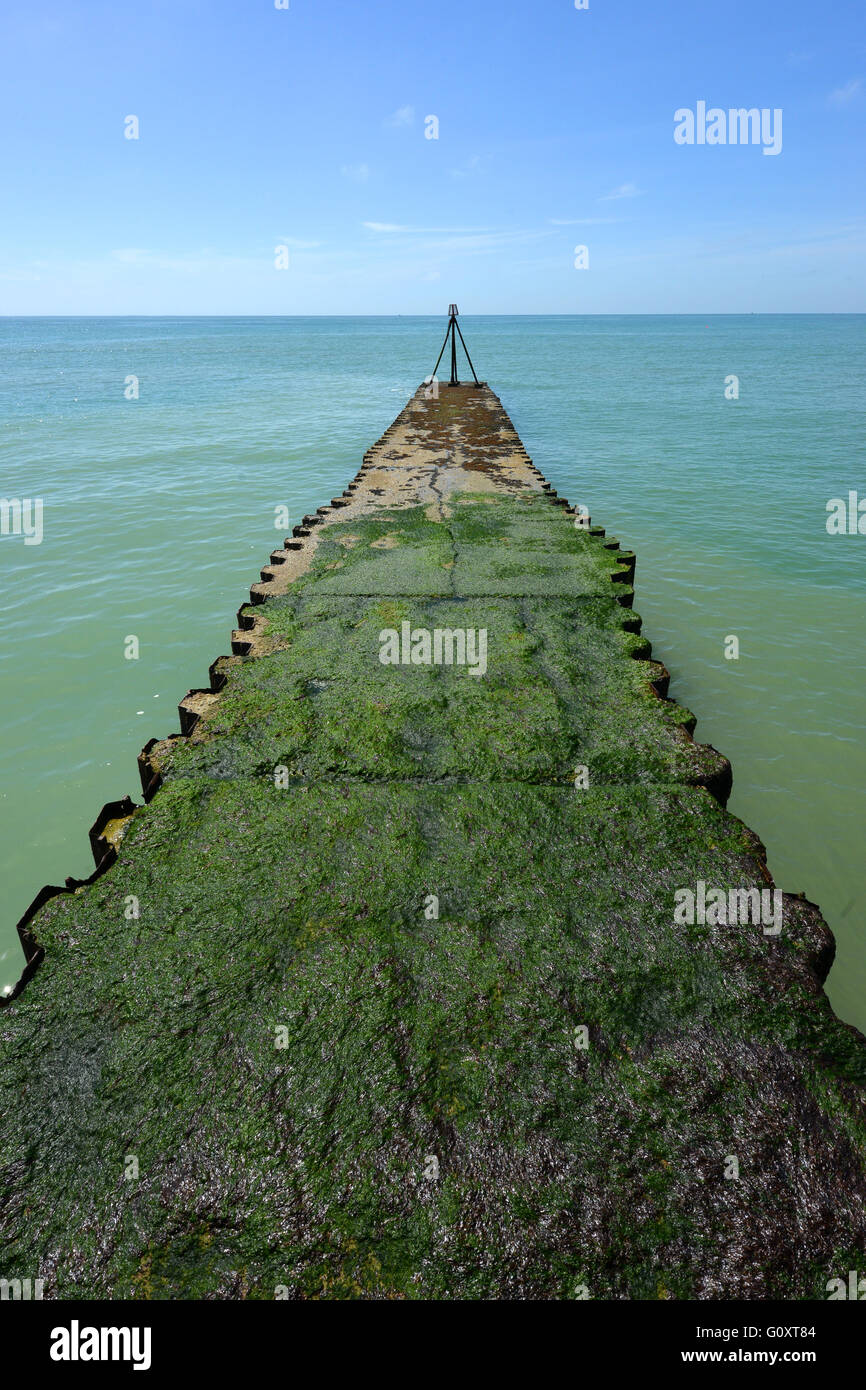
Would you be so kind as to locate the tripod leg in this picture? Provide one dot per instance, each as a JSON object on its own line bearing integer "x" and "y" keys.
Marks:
{"x": 466, "y": 350}
{"x": 439, "y": 358}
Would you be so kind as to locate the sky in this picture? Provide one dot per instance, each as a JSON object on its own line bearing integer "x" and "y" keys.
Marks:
{"x": 307, "y": 128}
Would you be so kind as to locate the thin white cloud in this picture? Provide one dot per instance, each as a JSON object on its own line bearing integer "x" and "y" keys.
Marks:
{"x": 404, "y": 115}
{"x": 843, "y": 96}
{"x": 467, "y": 168}
{"x": 358, "y": 173}
{"x": 479, "y": 243}
{"x": 625, "y": 190}
{"x": 455, "y": 240}
{"x": 424, "y": 231}
{"x": 203, "y": 260}
{"x": 582, "y": 221}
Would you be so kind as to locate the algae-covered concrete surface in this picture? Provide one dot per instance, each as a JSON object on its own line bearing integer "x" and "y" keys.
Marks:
{"x": 391, "y": 989}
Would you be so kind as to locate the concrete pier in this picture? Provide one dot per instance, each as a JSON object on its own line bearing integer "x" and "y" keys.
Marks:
{"x": 413, "y": 979}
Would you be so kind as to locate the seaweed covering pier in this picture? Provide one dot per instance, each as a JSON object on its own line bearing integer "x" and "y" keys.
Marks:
{"x": 411, "y": 978}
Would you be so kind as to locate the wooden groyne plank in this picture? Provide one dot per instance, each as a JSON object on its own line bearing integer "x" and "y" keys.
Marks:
{"x": 387, "y": 992}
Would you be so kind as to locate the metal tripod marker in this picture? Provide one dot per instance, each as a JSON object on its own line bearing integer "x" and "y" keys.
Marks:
{"x": 452, "y": 330}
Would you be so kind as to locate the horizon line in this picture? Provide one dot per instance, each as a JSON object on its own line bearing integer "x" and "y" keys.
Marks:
{"x": 609, "y": 314}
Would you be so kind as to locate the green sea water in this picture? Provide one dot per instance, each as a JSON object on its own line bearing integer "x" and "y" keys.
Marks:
{"x": 159, "y": 512}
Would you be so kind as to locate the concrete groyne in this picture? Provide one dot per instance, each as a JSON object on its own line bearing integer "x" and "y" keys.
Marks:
{"x": 431, "y": 966}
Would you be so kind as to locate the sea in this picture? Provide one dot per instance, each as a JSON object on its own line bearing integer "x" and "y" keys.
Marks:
{"x": 160, "y": 449}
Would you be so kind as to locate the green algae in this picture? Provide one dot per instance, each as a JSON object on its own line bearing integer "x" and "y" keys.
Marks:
{"x": 402, "y": 551}
{"x": 397, "y": 551}
{"x": 420, "y": 1023}
{"x": 407, "y": 1037}
{"x": 557, "y": 692}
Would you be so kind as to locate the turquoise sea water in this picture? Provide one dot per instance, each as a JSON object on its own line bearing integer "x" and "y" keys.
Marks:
{"x": 159, "y": 512}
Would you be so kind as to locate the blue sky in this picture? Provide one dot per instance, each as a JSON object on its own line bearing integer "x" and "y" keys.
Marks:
{"x": 305, "y": 128}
